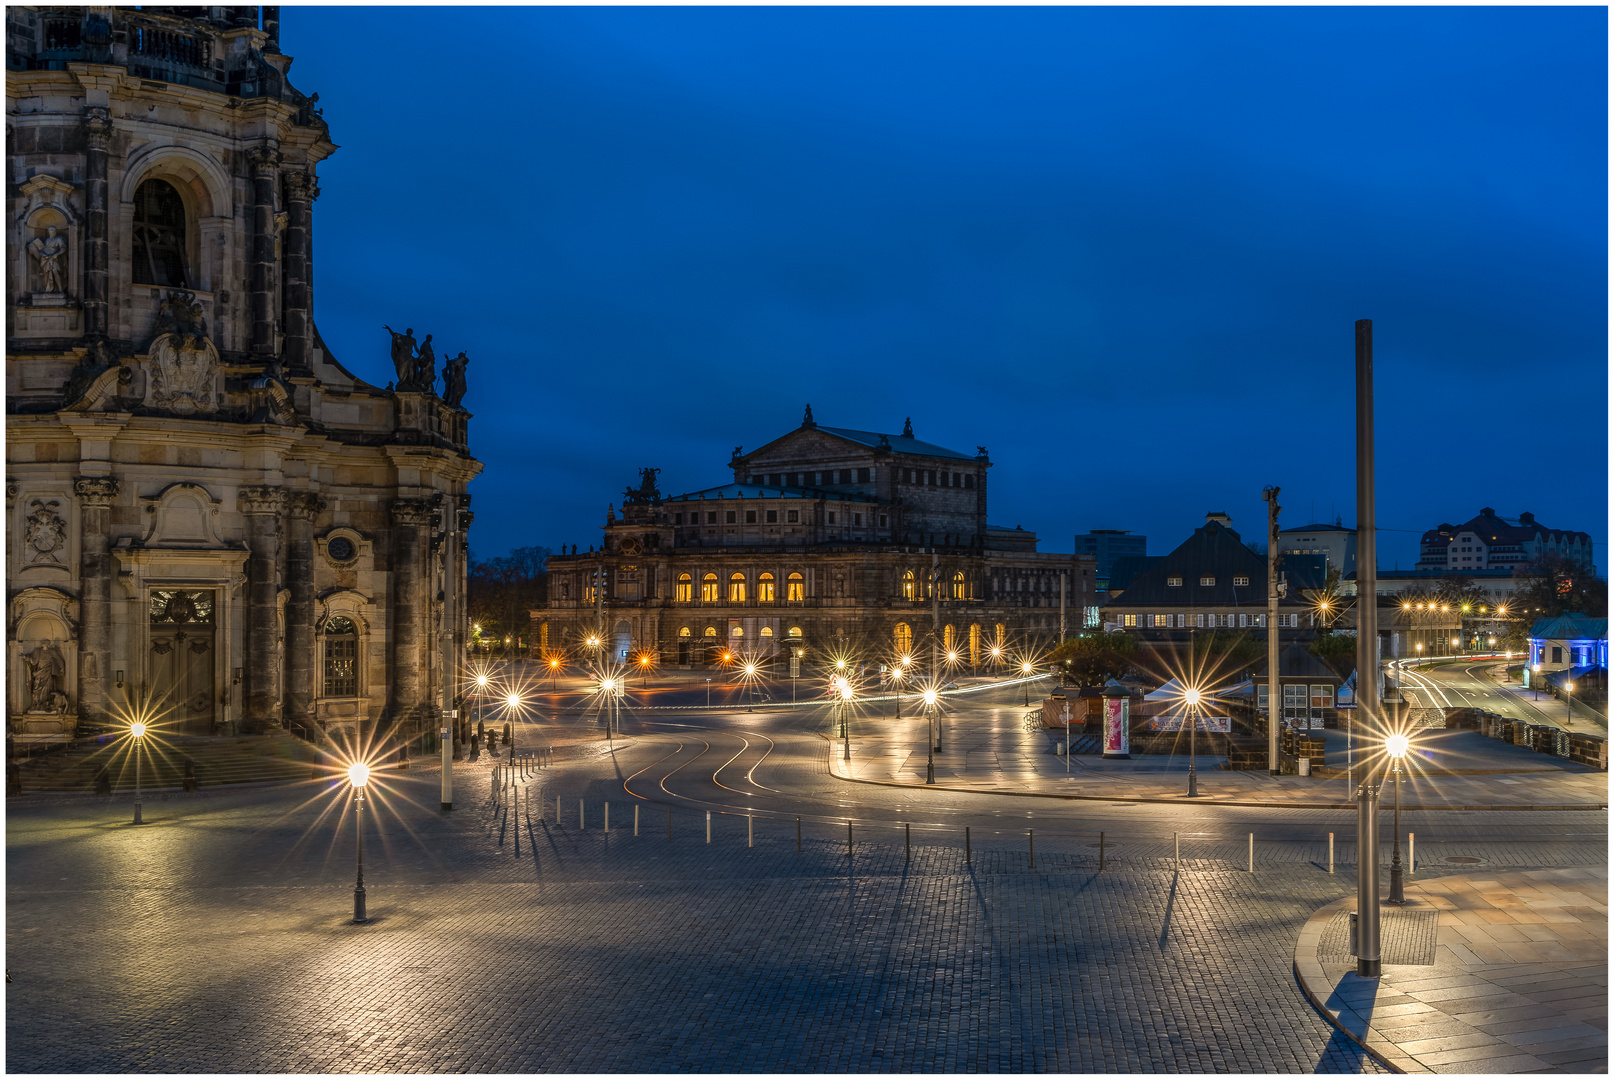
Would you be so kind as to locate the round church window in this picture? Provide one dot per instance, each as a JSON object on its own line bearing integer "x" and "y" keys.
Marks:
{"x": 340, "y": 548}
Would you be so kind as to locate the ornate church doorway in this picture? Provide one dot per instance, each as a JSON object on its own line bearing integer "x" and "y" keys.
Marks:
{"x": 182, "y": 650}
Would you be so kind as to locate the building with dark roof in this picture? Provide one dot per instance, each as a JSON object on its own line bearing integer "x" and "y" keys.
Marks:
{"x": 1570, "y": 641}
{"x": 1335, "y": 542}
{"x": 1211, "y": 580}
{"x": 1108, "y": 545}
{"x": 1489, "y": 542}
{"x": 828, "y": 540}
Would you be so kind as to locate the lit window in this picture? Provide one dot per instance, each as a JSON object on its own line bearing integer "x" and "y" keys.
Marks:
{"x": 949, "y": 637}
{"x": 737, "y": 589}
{"x": 766, "y": 631}
{"x": 709, "y": 588}
{"x": 711, "y": 631}
{"x": 1207, "y": 580}
{"x": 903, "y": 639}
{"x": 683, "y": 631}
{"x": 907, "y": 585}
{"x": 736, "y": 631}
{"x": 975, "y": 644}
{"x": 961, "y": 588}
{"x": 765, "y": 589}
{"x": 1174, "y": 582}
{"x": 794, "y": 631}
{"x": 341, "y": 658}
{"x": 686, "y": 588}
{"x": 795, "y": 588}
{"x": 1129, "y": 620}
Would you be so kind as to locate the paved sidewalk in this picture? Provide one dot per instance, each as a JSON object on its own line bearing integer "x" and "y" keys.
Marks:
{"x": 996, "y": 755}
{"x": 1502, "y": 973}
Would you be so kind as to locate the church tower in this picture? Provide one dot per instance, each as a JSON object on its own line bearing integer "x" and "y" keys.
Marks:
{"x": 208, "y": 513}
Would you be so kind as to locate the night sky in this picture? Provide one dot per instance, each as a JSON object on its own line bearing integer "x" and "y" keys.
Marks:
{"x": 1122, "y": 248}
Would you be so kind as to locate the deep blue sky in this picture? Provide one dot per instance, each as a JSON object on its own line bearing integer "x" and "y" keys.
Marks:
{"x": 1122, "y": 247}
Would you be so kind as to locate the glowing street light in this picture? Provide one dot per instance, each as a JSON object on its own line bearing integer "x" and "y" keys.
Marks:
{"x": 750, "y": 671}
{"x": 1190, "y": 698}
{"x": 554, "y": 673}
{"x": 512, "y": 704}
{"x": 1569, "y": 707}
{"x": 1396, "y": 746}
{"x": 1025, "y": 669}
{"x": 846, "y": 693}
{"x": 358, "y": 775}
{"x": 138, "y": 730}
{"x": 930, "y": 742}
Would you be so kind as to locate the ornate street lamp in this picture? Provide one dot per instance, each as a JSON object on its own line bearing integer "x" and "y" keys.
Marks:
{"x": 1191, "y": 699}
{"x": 139, "y": 732}
{"x": 930, "y": 747}
{"x": 358, "y": 775}
{"x": 1396, "y": 747}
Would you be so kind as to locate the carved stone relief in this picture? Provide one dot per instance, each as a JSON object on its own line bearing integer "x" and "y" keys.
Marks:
{"x": 44, "y": 533}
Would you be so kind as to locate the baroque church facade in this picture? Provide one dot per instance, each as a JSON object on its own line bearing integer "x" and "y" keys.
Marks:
{"x": 825, "y": 543}
{"x": 208, "y": 514}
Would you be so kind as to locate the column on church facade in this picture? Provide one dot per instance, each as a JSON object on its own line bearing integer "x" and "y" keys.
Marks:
{"x": 97, "y": 140}
{"x": 262, "y": 507}
{"x": 295, "y": 350}
{"x": 302, "y": 660}
{"x": 95, "y": 495}
{"x": 406, "y": 639}
{"x": 460, "y": 581}
{"x": 265, "y": 161}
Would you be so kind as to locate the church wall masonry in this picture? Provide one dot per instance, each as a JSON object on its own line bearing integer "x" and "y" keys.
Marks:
{"x": 208, "y": 513}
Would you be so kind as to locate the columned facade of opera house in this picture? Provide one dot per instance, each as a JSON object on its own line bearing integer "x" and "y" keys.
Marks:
{"x": 827, "y": 542}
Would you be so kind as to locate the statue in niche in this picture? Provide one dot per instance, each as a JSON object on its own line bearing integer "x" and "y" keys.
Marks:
{"x": 46, "y": 669}
{"x": 454, "y": 379}
{"x": 403, "y": 354}
{"x": 45, "y": 532}
{"x": 48, "y": 251}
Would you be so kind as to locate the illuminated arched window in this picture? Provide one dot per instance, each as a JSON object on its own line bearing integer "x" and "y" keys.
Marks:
{"x": 766, "y": 631}
{"x": 711, "y": 631}
{"x": 904, "y": 638}
{"x": 949, "y": 638}
{"x": 795, "y": 588}
{"x": 736, "y": 631}
{"x": 794, "y": 631}
{"x": 709, "y": 588}
{"x": 975, "y": 644}
{"x": 686, "y": 589}
{"x": 1001, "y": 636}
{"x": 907, "y": 585}
{"x": 765, "y": 588}
{"x": 737, "y": 589}
{"x": 543, "y": 636}
{"x": 341, "y": 658}
{"x": 683, "y": 631}
{"x": 961, "y": 589}
{"x": 159, "y": 236}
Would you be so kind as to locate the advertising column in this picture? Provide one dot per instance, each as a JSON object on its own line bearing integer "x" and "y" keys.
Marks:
{"x": 1117, "y": 718}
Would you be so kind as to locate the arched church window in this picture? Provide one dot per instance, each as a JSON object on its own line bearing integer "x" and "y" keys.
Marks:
{"x": 709, "y": 588}
{"x": 904, "y": 638}
{"x": 159, "y": 236}
{"x": 795, "y": 588}
{"x": 907, "y": 585}
{"x": 686, "y": 589}
{"x": 737, "y": 589}
{"x": 961, "y": 588}
{"x": 765, "y": 588}
{"x": 341, "y": 658}
{"x": 711, "y": 631}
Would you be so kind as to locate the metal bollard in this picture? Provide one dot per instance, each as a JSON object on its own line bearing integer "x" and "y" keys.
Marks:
{"x": 907, "y": 842}
{"x": 1330, "y": 853}
{"x": 848, "y": 839}
{"x": 1101, "y": 851}
{"x": 635, "y": 819}
{"x": 580, "y": 824}
{"x": 798, "y": 834}
{"x": 966, "y": 844}
{"x": 607, "y": 817}
{"x": 1031, "y": 839}
{"x": 1412, "y": 859}
{"x": 1176, "y": 840}
{"x": 749, "y": 834}
{"x": 557, "y": 811}
{"x": 1252, "y": 853}
{"x": 708, "y": 826}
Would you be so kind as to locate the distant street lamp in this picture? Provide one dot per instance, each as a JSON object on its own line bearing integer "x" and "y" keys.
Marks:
{"x": 512, "y": 703}
{"x": 930, "y": 747}
{"x": 1396, "y": 746}
{"x": 358, "y": 775}
{"x": 1025, "y": 669}
{"x": 846, "y": 731}
{"x": 139, "y": 733}
{"x": 750, "y": 686}
{"x": 1569, "y": 719}
{"x": 997, "y": 656}
{"x": 554, "y": 673}
{"x": 1535, "y": 680}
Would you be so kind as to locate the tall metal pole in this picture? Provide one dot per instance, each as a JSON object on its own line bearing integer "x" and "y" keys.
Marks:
{"x": 138, "y": 743}
{"x": 1274, "y": 684}
{"x": 359, "y": 915}
{"x": 1063, "y": 577}
{"x": 1367, "y": 880}
{"x": 1367, "y": 659}
{"x": 1193, "y": 775}
{"x": 448, "y": 763}
{"x": 1396, "y": 895}
{"x": 935, "y": 634}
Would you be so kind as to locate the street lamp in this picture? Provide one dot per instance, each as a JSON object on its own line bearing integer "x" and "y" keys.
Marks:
{"x": 644, "y": 669}
{"x": 1191, "y": 699}
{"x": 1396, "y": 746}
{"x": 846, "y": 731}
{"x": 750, "y": 686}
{"x": 481, "y": 687}
{"x": 608, "y": 688}
{"x": 930, "y": 748}
{"x": 1569, "y": 717}
{"x": 1025, "y": 669}
{"x": 358, "y": 775}
{"x": 139, "y": 733}
{"x": 512, "y": 704}
{"x": 1535, "y": 680}
{"x": 997, "y": 655}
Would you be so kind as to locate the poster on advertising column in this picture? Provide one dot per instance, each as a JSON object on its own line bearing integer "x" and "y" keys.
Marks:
{"x": 1117, "y": 739}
